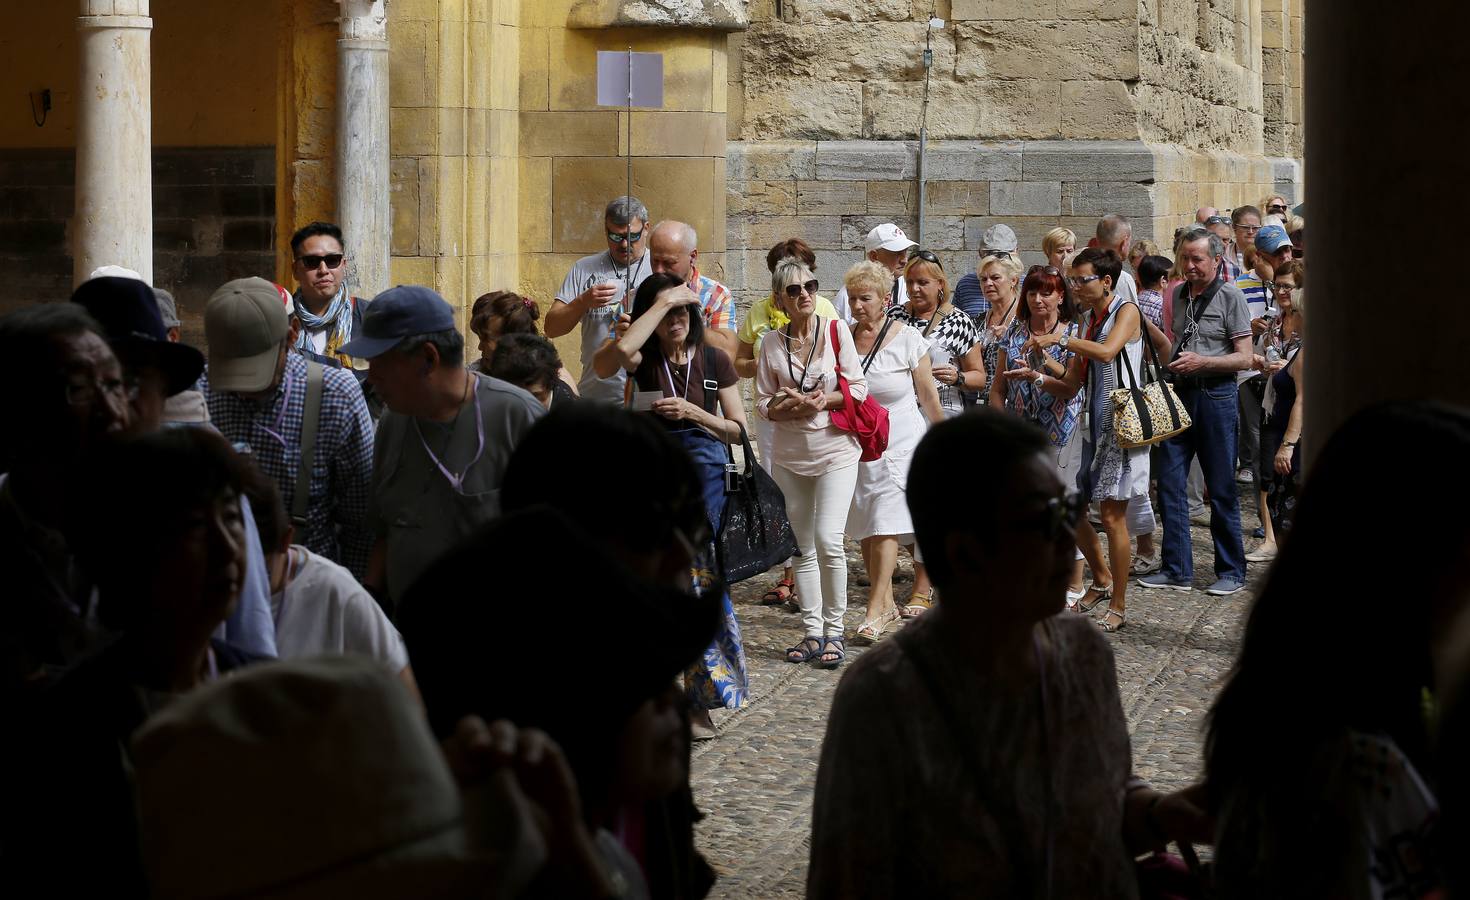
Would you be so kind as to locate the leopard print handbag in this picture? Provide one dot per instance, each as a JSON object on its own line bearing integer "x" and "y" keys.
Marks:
{"x": 1150, "y": 413}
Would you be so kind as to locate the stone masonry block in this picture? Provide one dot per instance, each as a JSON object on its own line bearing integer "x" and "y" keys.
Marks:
{"x": 1098, "y": 198}
{"x": 802, "y": 108}
{"x": 973, "y": 161}
{"x": 1103, "y": 10}
{"x": 821, "y": 232}
{"x": 535, "y": 74}
{"x": 824, "y": 11}
{"x": 957, "y": 198}
{"x": 848, "y": 51}
{"x": 1029, "y": 230}
{"x": 942, "y": 233}
{"x": 403, "y": 198}
{"x": 680, "y": 188}
{"x": 894, "y": 198}
{"x": 673, "y": 133}
{"x": 1058, "y": 51}
{"x": 1026, "y": 198}
{"x": 767, "y": 198}
{"x": 866, "y": 160}
{"x": 1098, "y": 110}
{"x": 994, "y": 10}
{"x": 1087, "y": 160}
{"x": 414, "y": 130}
{"x": 569, "y": 133}
{"x": 817, "y": 198}
{"x": 770, "y": 160}
{"x": 990, "y": 109}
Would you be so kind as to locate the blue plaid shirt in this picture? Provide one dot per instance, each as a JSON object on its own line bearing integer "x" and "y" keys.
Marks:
{"x": 336, "y": 513}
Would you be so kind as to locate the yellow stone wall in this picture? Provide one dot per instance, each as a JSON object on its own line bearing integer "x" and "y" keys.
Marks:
{"x": 573, "y": 153}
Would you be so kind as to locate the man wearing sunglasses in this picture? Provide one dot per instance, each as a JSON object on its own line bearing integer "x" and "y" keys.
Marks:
{"x": 329, "y": 315}
{"x": 598, "y": 292}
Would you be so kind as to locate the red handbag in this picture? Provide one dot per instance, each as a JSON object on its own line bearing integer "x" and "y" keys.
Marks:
{"x": 867, "y": 420}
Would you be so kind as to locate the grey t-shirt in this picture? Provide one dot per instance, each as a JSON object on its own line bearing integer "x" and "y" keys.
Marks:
{"x": 599, "y": 322}
{"x": 415, "y": 508}
{"x": 1209, "y": 324}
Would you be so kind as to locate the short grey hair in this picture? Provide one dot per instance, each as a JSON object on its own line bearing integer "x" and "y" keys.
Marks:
{"x": 783, "y": 272}
{"x": 449, "y": 344}
{"x": 1111, "y": 229}
{"x": 1217, "y": 246}
{"x": 624, "y": 210}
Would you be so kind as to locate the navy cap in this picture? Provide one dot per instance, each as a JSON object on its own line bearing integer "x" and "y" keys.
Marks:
{"x": 395, "y": 314}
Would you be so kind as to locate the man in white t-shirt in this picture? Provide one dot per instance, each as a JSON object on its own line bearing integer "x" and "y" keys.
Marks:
{"x": 318, "y": 607}
{"x": 889, "y": 247}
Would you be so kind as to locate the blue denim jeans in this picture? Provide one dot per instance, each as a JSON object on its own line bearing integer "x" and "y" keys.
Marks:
{"x": 1213, "y": 438}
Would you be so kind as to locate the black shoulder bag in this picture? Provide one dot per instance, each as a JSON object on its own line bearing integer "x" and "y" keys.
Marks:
{"x": 755, "y": 533}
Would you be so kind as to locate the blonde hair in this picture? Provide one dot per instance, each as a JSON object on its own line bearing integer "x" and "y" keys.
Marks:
{"x": 1057, "y": 237}
{"x": 935, "y": 271}
{"x": 868, "y": 275}
{"x": 1010, "y": 263}
{"x": 1144, "y": 247}
{"x": 782, "y": 273}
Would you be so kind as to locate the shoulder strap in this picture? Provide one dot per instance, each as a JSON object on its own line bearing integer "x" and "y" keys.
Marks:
{"x": 836, "y": 349}
{"x": 877, "y": 344}
{"x": 314, "y": 378}
{"x": 711, "y": 397}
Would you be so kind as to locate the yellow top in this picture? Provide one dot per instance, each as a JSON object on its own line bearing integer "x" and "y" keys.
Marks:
{"x": 764, "y": 316}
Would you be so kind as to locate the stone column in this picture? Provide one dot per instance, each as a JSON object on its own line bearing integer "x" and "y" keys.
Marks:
{"x": 1355, "y": 306}
{"x": 113, "y": 223}
{"x": 362, "y": 142}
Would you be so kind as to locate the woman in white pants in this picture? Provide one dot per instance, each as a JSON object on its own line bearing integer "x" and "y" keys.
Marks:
{"x": 814, "y": 462}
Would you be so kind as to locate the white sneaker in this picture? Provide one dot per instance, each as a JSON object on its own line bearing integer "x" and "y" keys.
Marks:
{"x": 1146, "y": 565}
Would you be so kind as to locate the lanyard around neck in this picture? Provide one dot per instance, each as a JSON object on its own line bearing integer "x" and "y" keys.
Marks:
{"x": 688, "y": 374}
{"x": 456, "y": 481}
{"x": 810, "y": 353}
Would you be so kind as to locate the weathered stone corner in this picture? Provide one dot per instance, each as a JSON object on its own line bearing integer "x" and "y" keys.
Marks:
{"x": 716, "y": 15}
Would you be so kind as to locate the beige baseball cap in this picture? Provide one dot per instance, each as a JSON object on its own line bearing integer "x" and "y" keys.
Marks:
{"x": 244, "y": 325}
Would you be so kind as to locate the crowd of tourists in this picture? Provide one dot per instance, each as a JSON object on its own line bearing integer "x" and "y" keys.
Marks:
{"x": 313, "y": 610}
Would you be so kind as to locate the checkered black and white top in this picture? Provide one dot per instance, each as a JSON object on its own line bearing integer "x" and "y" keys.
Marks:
{"x": 336, "y": 512}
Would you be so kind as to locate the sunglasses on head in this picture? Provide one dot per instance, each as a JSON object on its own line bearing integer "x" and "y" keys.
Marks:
{"x": 1044, "y": 270}
{"x": 631, "y": 237}
{"x": 927, "y": 256}
{"x": 333, "y": 260}
{"x": 794, "y": 290}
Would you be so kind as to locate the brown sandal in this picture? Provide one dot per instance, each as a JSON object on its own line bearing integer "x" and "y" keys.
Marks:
{"x": 784, "y": 591}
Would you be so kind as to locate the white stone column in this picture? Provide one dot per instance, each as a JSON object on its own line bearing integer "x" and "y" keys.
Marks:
{"x": 113, "y": 222}
{"x": 362, "y": 142}
{"x": 1379, "y": 329}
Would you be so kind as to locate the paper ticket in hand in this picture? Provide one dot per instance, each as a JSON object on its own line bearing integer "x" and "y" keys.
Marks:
{"x": 643, "y": 400}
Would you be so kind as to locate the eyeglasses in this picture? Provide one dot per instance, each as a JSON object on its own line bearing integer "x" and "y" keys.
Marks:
{"x": 1280, "y": 288}
{"x": 84, "y": 392}
{"x": 997, "y": 254}
{"x": 333, "y": 260}
{"x": 1061, "y": 514}
{"x": 1217, "y": 220}
{"x": 1298, "y": 252}
{"x": 1248, "y": 229}
{"x": 1077, "y": 281}
{"x": 794, "y": 290}
{"x": 631, "y": 237}
{"x": 1276, "y": 208}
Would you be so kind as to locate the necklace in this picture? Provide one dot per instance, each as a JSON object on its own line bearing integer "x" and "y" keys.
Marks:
{"x": 810, "y": 353}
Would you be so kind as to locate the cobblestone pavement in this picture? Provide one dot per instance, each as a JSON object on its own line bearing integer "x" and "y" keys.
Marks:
{"x": 755, "y": 781}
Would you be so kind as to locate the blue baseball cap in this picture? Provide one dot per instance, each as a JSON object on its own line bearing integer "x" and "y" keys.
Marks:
{"x": 395, "y": 314}
{"x": 1272, "y": 238}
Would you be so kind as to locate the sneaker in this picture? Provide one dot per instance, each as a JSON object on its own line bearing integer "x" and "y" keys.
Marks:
{"x": 1264, "y": 553}
{"x": 1201, "y": 518}
{"x": 1245, "y": 476}
{"x": 1225, "y": 587}
{"x": 1160, "y": 581}
{"x": 1146, "y": 565}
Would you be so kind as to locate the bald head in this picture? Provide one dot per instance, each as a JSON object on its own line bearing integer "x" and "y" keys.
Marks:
{"x": 1204, "y": 213}
{"x": 672, "y": 249}
{"x": 1114, "y": 233}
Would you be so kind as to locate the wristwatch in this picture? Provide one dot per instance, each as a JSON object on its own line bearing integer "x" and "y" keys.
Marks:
{"x": 1062, "y": 341}
{"x": 1038, "y": 380}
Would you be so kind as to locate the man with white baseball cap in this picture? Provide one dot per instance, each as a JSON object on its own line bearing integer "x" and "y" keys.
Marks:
{"x": 262, "y": 395}
{"x": 889, "y": 247}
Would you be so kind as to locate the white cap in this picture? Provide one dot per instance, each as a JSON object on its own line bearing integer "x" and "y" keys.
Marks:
{"x": 114, "y": 272}
{"x": 999, "y": 237}
{"x": 887, "y": 236}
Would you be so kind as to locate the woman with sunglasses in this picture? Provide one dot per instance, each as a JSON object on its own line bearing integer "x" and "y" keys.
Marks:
{"x": 1047, "y": 307}
{"x": 1112, "y": 337}
{"x": 814, "y": 462}
{"x": 896, "y": 363}
{"x": 1000, "y": 277}
{"x": 764, "y": 315}
{"x": 955, "y": 353}
{"x": 697, "y": 400}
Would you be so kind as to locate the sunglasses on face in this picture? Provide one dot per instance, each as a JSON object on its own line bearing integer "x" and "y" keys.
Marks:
{"x": 1061, "y": 514}
{"x": 1217, "y": 220}
{"x": 1276, "y": 208}
{"x": 794, "y": 290}
{"x": 333, "y": 260}
{"x": 1077, "y": 281}
{"x": 631, "y": 237}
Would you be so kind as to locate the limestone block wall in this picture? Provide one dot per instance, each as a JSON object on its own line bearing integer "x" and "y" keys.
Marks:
{"x": 573, "y": 153}
{"x": 830, "y": 193}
